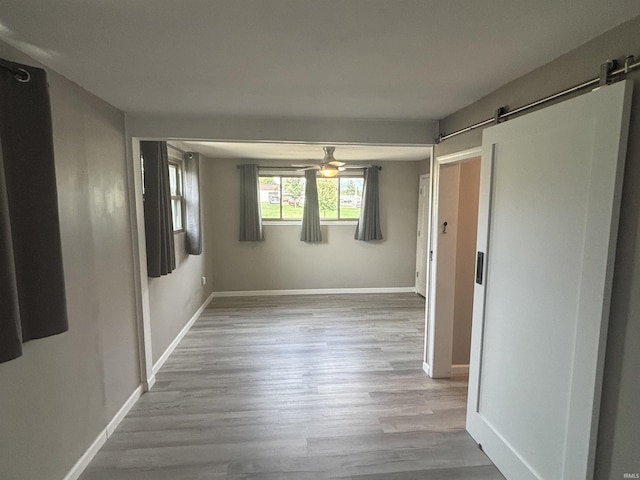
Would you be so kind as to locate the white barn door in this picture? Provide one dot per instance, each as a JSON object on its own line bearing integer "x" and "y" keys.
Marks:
{"x": 548, "y": 215}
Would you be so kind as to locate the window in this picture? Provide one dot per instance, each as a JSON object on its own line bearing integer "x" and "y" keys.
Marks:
{"x": 350, "y": 197}
{"x": 282, "y": 197}
{"x": 177, "y": 199}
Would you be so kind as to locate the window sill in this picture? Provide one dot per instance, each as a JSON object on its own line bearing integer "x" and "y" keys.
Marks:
{"x": 292, "y": 223}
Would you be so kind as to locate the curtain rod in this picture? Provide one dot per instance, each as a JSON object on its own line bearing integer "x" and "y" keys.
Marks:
{"x": 19, "y": 74}
{"x": 295, "y": 169}
{"x": 607, "y": 72}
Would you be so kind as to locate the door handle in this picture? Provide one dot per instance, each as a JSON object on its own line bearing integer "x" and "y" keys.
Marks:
{"x": 479, "y": 267}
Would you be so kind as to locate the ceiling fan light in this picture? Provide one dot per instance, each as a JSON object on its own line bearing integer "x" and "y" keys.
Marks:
{"x": 329, "y": 171}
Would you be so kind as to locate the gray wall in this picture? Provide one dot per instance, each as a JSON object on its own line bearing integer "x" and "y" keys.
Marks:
{"x": 425, "y": 167}
{"x": 282, "y": 261}
{"x": 174, "y": 298}
{"x": 61, "y": 393}
{"x": 618, "y": 439}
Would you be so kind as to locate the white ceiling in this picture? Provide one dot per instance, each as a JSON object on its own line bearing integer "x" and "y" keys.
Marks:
{"x": 322, "y": 59}
{"x": 357, "y": 59}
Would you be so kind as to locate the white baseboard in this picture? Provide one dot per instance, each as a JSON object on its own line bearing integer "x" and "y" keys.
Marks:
{"x": 459, "y": 370}
{"x": 172, "y": 346}
{"x": 312, "y": 291}
{"x": 87, "y": 456}
{"x": 103, "y": 436}
{"x": 117, "y": 418}
{"x": 150, "y": 382}
{"x": 455, "y": 369}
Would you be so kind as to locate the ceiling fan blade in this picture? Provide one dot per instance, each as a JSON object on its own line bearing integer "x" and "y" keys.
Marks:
{"x": 342, "y": 169}
{"x": 335, "y": 163}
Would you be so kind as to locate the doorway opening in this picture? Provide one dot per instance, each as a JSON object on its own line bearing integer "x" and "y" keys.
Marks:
{"x": 453, "y": 227}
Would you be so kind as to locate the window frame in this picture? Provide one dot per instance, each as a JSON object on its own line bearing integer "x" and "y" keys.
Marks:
{"x": 294, "y": 221}
{"x": 178, "y": 163}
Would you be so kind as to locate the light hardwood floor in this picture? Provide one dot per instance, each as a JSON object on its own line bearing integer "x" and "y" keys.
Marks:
{"x": 298, "y": 387}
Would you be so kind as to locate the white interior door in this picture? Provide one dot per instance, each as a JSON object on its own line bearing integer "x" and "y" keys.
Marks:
{"x": 422, "y": 248}
{"x": 549, "y": 202}
{"x": 441, "y": 295}
{"x": 446, "y": 236}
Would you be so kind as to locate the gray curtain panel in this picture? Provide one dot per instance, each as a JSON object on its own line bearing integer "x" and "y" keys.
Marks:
{"x": 311, "y": 214}
{"x": 10, "y": 330}
{"x": 250, "y": 218}
{"x": 369, "y": 223}
{"x": 32, "y": 290}
{"x": 158, "y": 223}
{"x": 193, "y": 231}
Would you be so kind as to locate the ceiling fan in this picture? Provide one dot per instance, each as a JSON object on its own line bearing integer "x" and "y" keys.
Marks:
{"x": 329, "y": 167}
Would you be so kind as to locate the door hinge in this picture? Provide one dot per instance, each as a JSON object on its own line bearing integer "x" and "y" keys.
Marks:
{"x": 431, "y": 256}
{"x": 417, "y": 274}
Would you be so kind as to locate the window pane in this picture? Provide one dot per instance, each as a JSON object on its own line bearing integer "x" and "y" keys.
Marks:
{"x": 173, "y": 179}
{"x": 328, "y": 198}
{"x": 176, "y": 212}
{"x": 142, "y": 171}
{"x": 350, "y": 197}
{"x": 292, "y": 197}
{"x": 270, "y": 197}
{"x": 179, "y": 179}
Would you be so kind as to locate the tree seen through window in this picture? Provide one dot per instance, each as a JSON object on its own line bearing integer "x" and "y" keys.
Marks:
{"x": 282, "y": 197}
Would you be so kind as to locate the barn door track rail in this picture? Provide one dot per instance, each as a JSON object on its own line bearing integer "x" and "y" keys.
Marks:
{"x": 609, "y": 72}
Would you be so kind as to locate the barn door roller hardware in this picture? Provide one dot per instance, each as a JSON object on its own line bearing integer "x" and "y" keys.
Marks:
{"x": 605, "y": 72}
{"x": 608, "y": 71}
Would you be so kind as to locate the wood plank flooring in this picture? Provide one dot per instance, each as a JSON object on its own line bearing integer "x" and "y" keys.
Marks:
{"x": 298, "y": 387}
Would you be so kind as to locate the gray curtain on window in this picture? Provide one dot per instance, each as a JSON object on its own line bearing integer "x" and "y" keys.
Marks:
{"x": 10, "y": 330}
{"x": 193, "y": 231}
{"x": 32, "y": 290}
{"x": 158, "y": 223}
{"x": 250, "y": 218}
{"x": 369, "y": 223}
{"x": 311, "y": 214}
